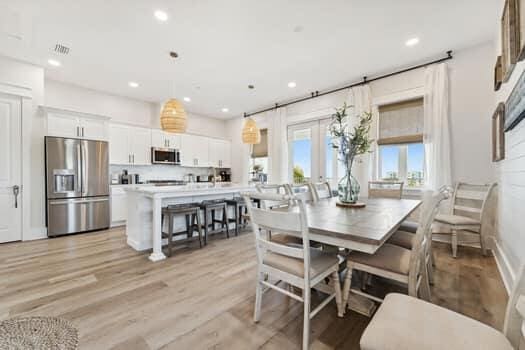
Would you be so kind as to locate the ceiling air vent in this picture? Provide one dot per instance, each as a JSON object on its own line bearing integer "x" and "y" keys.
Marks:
{"x": 61, "y": 49}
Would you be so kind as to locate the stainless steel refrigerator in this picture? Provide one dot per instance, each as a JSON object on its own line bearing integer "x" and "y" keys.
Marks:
{"x": 77, "y": 185}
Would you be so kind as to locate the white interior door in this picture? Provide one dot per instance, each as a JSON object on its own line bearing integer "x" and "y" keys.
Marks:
{"x": 311, "y": 153}
{"x": 10, "y": 169}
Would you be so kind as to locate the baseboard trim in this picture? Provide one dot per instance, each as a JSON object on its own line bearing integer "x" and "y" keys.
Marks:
{"x": 35, "y": 233}
{"x": 505, "y": 269}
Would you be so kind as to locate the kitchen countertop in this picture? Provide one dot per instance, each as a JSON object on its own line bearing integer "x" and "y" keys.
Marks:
{"x": 192, "y": 189}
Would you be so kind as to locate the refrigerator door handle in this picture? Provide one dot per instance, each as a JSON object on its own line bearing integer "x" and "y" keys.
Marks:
{"x": 84, "y": 170}
{"x": 76, "y": 201}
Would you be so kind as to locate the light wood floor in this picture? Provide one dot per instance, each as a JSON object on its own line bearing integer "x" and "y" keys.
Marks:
{"x": 199, "y": 298}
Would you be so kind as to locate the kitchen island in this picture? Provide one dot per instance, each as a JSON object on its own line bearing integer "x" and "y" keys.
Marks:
{"x": 144, "y": 226}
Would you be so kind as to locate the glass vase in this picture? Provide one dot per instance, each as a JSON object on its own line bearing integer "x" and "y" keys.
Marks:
{"x": 348, "y": 189}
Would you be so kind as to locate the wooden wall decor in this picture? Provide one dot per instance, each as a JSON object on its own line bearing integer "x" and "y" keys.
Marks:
{"x": 521, "y": 31}
{"x": 515, "y": 105}
{"x": 510, "y": 40}
{"x": 498, "y": 134}
{"x": 498, "y": 74}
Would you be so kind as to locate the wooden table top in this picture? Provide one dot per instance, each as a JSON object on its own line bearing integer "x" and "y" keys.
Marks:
{"x": 371, "y": 225}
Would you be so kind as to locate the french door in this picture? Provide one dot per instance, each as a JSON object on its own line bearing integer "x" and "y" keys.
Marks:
{"x": 10, "y": 169}
{"x": 311, "y": 156}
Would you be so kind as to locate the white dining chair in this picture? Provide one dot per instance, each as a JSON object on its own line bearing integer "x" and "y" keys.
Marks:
{"x": 282, "y": 189}
{"x": 405, "y": 237}
{"x": 321, "y": 190}
{"x": 385, "y": 189}
{"x": 404, "y": 322}
{"x": 397, "y": 263}
{"x": 468, "y": 213}
{"x": 301, "y": 267}
{"x": 302, "y": 192}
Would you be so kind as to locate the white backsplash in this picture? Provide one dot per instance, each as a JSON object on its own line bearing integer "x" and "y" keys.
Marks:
{"x": 159, "y": 172}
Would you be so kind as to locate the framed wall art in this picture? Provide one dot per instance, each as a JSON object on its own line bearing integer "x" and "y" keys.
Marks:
{"x": 498, "y": 74}
{"x": 509, "y": 38}
{"x": 515, "y": 105}
{"x": 498, "y": 133}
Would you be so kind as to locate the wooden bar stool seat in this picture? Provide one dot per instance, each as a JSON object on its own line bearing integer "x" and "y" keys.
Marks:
{"x": 239, "y": 213}
{"x": 193, "y": 223}
{"x": 210, "y": 207}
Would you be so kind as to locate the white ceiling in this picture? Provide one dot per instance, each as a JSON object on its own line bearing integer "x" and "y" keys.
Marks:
{"x": 226, "y": 45}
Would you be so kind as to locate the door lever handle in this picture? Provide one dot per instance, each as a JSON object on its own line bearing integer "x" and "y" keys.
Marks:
{"x": 16, "y": 191}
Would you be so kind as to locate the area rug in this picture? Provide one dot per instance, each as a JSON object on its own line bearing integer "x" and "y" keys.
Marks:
{"x": 43, "y": 333}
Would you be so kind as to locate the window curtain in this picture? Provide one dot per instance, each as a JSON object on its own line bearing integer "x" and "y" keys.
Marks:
{"x": 436, "y": 127}
{"x": 360, "y": 98}
{"x": 278, "y": 146}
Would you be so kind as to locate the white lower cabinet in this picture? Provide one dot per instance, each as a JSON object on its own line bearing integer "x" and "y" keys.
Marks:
{"x": 119, "y": 208}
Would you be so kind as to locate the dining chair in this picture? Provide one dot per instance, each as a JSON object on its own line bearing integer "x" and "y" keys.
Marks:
{"x": 405, "y": 237}
{"x": 404, "y": 322}
{"x": 321, "y": 190}
{"x": 385, "y": 189}
{"x": 469, "y": 211}
{"x": 282, "y": 189}
{"x": 302, "y": 192}
{"x": 397, "y": 263}
{"x": 301, "y": 267}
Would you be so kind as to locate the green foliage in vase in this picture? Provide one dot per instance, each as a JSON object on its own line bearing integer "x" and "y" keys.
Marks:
{"x": 350, "y": 141}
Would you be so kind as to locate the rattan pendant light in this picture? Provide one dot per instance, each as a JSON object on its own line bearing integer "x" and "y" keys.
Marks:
{"x": 173, "y": 117}
{"x": 250, "y": 132}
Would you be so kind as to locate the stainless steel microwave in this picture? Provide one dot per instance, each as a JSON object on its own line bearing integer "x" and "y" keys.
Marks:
{"x": 165, "y": 156}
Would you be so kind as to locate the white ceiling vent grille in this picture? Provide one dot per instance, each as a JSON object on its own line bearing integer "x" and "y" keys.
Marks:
{"x": 61, "y": 49}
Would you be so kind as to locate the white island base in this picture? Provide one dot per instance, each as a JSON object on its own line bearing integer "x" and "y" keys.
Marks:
{"x": 143, "y": 227}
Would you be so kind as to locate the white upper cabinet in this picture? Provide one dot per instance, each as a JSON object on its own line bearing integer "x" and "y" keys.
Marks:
{"x": 220, "y": 153}
{"x": 129, "y": 145}
{"x": 194, "y": 151}
{"x": 76, "y": 125}
{"x": 140, "y": 146}
{"x": 163, "y": 139}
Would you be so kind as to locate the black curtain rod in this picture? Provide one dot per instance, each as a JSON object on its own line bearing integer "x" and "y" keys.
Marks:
{"x": 363, "y": 82}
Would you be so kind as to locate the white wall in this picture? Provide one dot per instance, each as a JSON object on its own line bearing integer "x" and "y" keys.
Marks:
{"x": 31, "y": 77}
{"x": 471, "y": 98}
{"x": 510, "y": 173}
{"x": 123, "y": 109}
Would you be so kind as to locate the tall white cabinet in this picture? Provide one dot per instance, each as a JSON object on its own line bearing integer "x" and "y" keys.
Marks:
{"x": 194, "y": 151}
{"x": 129, "y": 145}
{"x": 219, "y": 153}
{"x": 62, "y": 123}
{"x": 163, "y": 139}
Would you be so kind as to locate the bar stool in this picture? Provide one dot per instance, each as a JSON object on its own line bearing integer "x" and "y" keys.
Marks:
{"x": 239, "y": 213}
{"x": 193, "y": 222}
{"x": 209, "y": 207}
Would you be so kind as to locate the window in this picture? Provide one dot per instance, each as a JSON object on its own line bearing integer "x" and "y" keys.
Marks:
{"x": 259, "y": 159}
{"x": 301, "y": 155}
{"x": 401, "y": 150}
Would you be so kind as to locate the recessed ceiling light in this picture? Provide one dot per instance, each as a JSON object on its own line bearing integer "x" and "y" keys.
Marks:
{"x": 133, "y": 84}
{"x": 225, "y": 110}
{"x": 187, "y": 99}
{"x": 54, "y": 63}
{"x": 412, "y": 42}
{"x": 161, "y": 15}
{"x": 292, "y": 84}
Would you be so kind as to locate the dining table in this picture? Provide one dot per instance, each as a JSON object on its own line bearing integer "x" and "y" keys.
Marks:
{"x": 363, "y": 229}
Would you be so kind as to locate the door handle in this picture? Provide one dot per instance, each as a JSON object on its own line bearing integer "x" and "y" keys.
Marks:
{"x": 16, "y": 191}
{"x": 82, "y": 131}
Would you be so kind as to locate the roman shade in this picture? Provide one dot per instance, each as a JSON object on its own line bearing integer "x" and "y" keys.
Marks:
{"x": 260, "y": 150}
{"x": 401, "y": 122}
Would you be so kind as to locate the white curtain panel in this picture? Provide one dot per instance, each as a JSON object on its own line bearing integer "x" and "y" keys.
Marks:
{"x": 436, "y": 127}
{"x": 360, "y": 97}
{"x": 278, "y": 146}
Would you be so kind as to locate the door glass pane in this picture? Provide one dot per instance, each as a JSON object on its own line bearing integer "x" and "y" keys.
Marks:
{"x": 301, "y": 155}
{"x": 329, "y": 157}
{"x": 389, "y": 156}
{"x": 415, "y": 165}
